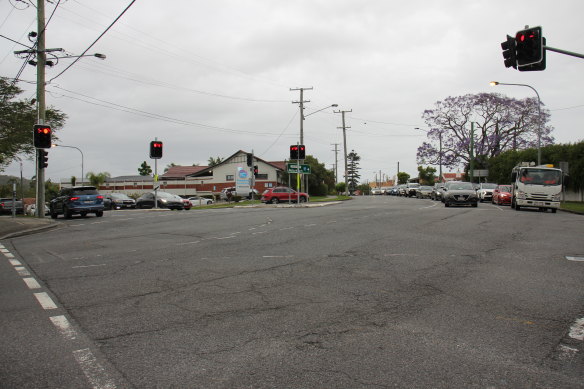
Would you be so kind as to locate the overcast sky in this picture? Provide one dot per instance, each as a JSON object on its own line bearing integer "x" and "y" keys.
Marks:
{"x": 209, "y": 78}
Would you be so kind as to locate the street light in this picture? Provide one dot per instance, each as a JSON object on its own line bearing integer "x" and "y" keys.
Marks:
{"x": 77, "y": 148}
{"x": 322, "y": 109}
{"x": 494, "y": 83}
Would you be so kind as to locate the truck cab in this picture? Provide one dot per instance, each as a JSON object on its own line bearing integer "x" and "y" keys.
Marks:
{"x": 536, "y": 187}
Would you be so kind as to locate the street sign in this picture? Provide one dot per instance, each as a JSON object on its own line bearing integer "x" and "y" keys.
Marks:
{"x": 480, "y": 173}
{"x": 293, "y": 168}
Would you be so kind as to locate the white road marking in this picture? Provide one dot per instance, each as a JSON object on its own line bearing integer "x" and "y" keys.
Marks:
{"x": 575, "y": 259}
{"x": 277, "y": 256}
{"x": 8, "y": 255}
{"x": 64, "y": 327}
{"x": 45, "y": 301}
{"x": 94, "y": 372}
{"x": 4, "y": 250}
{"x": 31, "y": 283}
{"x": 226, "y": 237}
{"x": 332, "y": 221}
{"x": 182, "y": 244}
{"x": 83, "y": 266}
{"x": 21, "y": 270}
{"x": 310, "y": 225}
{"x": 577, "y": 330}
{"x": 15, "y": 262}
{"x": 287, "y": 228}
{"x": 261, "y": 232}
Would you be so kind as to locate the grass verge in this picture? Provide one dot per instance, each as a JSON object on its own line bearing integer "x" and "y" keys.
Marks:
{"x": 575, "y": 206}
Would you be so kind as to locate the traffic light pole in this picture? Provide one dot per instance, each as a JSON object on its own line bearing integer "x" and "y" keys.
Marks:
{"x": 41, "y": 60}
{"x": 563, "y": 52}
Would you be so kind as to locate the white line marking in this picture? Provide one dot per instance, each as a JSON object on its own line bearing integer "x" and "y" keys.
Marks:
{"x": 83, "y": 266}
{"x": 287, "y": 228}
{"x": 94, "y": 372}
{"x": 182, "y": 244}
{"x": 277, "y": 256}
{"x": 261, "y": 232}
{"x": 31, "y": 283}
{"x": 45, "y": 301}
{"x": 575, "y": 259}
{"x": 15, "y": 262}
{"x": 310, "y": 225}
{"x": 22, "y": 271}
{"x": 332, "y": 221}
{"x": 4, "y": 250}
{"x": 8, "y": 255}
{"x": 64, "y": 327}
{"x": 577, "y": 330}
{"x": 225, "y": 237}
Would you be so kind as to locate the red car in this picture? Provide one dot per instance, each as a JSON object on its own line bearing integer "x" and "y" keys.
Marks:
{"x": 282, "y": 194}
{"x": 502, "y": 195}
{"x": 187, "y": 204}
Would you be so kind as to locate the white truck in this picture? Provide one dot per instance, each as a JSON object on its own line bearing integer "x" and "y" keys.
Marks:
{"x": 536, "y": 186}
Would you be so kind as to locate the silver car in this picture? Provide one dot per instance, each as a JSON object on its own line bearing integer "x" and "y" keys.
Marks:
{"x": 460, "y": 193}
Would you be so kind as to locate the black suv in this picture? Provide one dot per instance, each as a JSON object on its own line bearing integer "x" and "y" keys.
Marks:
{"x": 78, "y": 199}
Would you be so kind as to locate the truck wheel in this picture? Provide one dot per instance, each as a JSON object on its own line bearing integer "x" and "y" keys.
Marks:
{"x": 554, "y": 210}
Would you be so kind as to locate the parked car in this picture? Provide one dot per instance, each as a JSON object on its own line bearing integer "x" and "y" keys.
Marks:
{"x": 485, "y": 191}
{"x": 410, "y": 189}
{"x": 502, "y": 195}
{"x": 281, "y": 194}
{"x": 31, "y": 210}
{"x": 164, "y": 200}
{"x": 6, "y": 206}
{"x": 187, "y": 204}
{"x": 460, "y": 193}
{"x": 198, "y": 201}
{"x": 118, "y": 201}
{"x": 77, "y": 200}
{"x": 437, "y": 191}
{"x": 424, "y": 192}
{"x": 223, "y": 194}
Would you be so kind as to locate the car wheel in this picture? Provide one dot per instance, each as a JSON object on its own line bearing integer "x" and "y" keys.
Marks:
{"x": 54, "y": 215}
{"x": 474, "y": 205}
{"x": 99, "y": 213}
{"x": 446, "y": 204}
{"x": 275, "y": 201}
{"x": 67, "y": 213}
{"x": 302, "y": 199}
{"x": 83, "y": 214}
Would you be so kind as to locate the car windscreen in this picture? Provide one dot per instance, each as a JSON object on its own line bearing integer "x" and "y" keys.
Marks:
{"x": 119, "y": 196}
{"x": 488, "y": 186}
{"x": 461, "y": 186}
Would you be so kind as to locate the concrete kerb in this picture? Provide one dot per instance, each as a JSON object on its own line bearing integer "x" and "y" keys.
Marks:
{"x": 293, "y": 205}
{"x": 14, "y": 227}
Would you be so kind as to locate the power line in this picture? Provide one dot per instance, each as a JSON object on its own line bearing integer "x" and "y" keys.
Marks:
{"x": 95, "y": 41}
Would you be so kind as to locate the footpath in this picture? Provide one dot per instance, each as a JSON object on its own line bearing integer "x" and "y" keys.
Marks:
{"x": 11, "y": 227}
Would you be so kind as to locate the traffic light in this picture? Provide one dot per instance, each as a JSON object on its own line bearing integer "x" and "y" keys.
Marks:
{"x": 42, "y": 136}
{"x": 294, "y": 152}
{"x": 256, "y": 171}
{"x": 509, "y": 52}
{"x": 301, "y": 152}
{"x": 249, "y": 157}
{"x": 155, "y": 149}
{"x": 530, "y": 49}
{"x": 43, "y": 159}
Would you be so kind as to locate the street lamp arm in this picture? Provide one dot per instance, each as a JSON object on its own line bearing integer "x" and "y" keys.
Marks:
{"x": 322, "y": 109}
{"x": 82, "y": 158}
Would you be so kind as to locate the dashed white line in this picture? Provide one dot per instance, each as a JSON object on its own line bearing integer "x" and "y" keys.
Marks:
{"x": 260, "y": 232}
{"x": 185, "y": 243}
{"x": 575, "y": 259}
{"x": 31, "y": 283}
{"x": 286, "y": 228}
{"x": 64, "y": 327}
{"x": 45, "y": 301}
{"x": 15, "y": 262}
{"x": 84, "y": 266}
{"x": 8, "y": 255}
{"x": 94, "y": 372}
{"x": 577, "y": 330}
{"x": 21, "y": 270}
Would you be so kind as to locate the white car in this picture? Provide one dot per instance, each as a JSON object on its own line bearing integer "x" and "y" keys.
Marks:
{"x": 197, "y": 201}
{"x": 485, "y": 191}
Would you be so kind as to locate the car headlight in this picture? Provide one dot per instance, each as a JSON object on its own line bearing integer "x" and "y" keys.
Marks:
{"x": 521, "y": 195}
{"x": 556, "y": 197}
{"x": 163, "y": 200}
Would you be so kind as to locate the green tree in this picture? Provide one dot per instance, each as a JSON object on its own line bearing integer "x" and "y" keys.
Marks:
{"x": 402, "y": 178}
{"x": 340, "y": 187}
{"x": 365, "y": 189}
{"x": 427, "y": 175}
{"x": 73, "y": 180}
{"x": 97, "y": 179}
{"x": 321, "y": 181}
{"x": 144, "y": 169}
{"x": 51, "y": 190}
{"x": 17, "y": 118}
{"x": 353, "y": 170}
{"x": 214, "y": 161}
{"x": 172, "y": 164}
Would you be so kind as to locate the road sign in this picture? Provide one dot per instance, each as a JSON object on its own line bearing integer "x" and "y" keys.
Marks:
{"x": 293, "y": 168}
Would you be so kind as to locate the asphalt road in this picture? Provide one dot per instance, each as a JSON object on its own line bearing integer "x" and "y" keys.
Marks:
{"x": 376, "y": 292}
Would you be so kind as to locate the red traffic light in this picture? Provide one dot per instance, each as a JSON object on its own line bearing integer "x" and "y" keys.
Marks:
{"x": 42, "y": 136}
{"x": 155, "y": 149}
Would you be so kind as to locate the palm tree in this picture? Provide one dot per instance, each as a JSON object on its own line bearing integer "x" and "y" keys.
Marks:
{"x": 214, "y": 161}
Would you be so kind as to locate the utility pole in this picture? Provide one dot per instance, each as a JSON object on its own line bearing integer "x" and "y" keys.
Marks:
{"x": 301, "y": 103}
{"x": 41, "y": 107}
{"x": 471, "y": 168}
{"x": 336, "y": 166}
{"x": 344, "y": 127}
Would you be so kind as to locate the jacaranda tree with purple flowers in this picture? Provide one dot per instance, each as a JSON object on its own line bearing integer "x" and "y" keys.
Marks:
{"x": 501, "y": 123}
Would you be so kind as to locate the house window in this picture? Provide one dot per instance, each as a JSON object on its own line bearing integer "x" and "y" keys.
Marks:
{"x": 262, "y": 176}
{"x": 268, "y": 185}
{"x": 229, "y": 177}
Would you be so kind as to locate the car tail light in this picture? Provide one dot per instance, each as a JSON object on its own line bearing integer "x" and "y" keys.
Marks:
{"x": 73, "y": 198}
{"x": 100, "y": 197}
